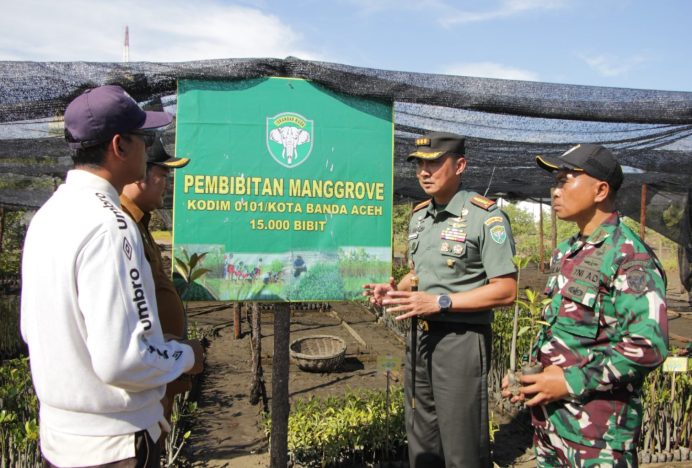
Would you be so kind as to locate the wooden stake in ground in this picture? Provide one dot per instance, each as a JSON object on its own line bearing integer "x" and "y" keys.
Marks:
{"x": 553, "y": 224}
{"x": 280, "y": 406}
{"x": 257, "y": 389}
{"x": 236, "y": 320}
{"x": 2, "y": 226}
{"x": 642, "y": 213}
{"x": 541, "y": 244}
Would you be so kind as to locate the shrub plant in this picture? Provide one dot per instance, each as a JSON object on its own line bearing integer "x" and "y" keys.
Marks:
{"x": 19, "y": 429}
{"x": 346, "y": 430}
{"x": 18, "y": 416}
{"x": 667, "y": 421}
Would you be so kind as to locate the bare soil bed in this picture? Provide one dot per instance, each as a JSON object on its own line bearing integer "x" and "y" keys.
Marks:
{"x": 227, "y": 426}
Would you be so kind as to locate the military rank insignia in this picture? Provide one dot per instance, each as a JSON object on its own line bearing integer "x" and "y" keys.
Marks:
{"x": 482, "y": 202}
{"x": 421, "y": 205}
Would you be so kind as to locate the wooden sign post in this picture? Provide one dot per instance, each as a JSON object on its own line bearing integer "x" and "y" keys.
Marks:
{"x": 280, "y": 405}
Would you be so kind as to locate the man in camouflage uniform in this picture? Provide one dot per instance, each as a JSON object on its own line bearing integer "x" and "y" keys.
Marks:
{"x": 461, "y": 247}
{"x": 607, "y": 323}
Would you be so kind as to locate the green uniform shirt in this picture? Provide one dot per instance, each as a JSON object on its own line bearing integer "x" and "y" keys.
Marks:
{"x": 608, "y": 329}
{"x": 459, "y": 247}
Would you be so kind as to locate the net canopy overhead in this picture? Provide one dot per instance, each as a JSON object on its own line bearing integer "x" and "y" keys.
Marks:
{"x": 507, "y": 122}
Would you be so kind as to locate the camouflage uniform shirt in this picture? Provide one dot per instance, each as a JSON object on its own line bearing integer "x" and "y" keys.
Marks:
{"x": 607, "y": 330}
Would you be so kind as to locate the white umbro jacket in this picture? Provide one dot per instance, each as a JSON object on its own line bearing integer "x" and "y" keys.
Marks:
{"x": 88, "y": 313}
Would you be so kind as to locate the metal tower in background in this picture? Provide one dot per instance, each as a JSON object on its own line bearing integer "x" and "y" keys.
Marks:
{"x": 126, "y": 46}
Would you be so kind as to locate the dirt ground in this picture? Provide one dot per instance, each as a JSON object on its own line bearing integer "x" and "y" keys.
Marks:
{"x": 227, "y": 425}
{"x": 227, "y": 431}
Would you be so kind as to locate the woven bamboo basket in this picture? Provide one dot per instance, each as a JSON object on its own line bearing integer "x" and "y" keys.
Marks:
{"x": 319, "y": 353}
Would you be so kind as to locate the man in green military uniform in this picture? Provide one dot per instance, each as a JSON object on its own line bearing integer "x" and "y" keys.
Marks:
{"x": 461, "y": 249}
{"x": 607, "y": 324}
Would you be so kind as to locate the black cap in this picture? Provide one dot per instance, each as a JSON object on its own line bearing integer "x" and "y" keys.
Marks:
{"x": 100, "y": 113}
{"x": 594, "y": 160}
{"x": 436, "y": 145}
{"x": 157, "y": 154}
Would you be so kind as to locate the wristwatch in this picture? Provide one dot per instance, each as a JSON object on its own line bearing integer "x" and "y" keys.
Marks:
{"x": 445, "y": 302}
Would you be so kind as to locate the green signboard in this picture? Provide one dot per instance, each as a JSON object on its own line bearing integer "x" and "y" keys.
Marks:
{"x": 288, "y": 192}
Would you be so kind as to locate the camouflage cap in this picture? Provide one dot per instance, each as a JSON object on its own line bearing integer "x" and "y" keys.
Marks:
{"x": 595, "y": 160}
{"x": 436, "y": 145}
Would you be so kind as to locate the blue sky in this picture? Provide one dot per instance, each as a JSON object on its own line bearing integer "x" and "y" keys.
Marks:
{"x": 623, "y": 43}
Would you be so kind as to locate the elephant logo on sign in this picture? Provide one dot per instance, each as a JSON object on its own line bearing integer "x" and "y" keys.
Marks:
{"x": 289, "y": 138}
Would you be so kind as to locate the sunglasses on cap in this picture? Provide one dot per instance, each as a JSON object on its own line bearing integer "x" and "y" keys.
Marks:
{"x": 148, "y": 137}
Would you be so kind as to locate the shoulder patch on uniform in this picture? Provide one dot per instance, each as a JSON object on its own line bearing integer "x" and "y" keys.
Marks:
{"x": 421, "y": 205}
{"x": 482, "y": 202}
{"x": 498, "y": 233}
{"x": 637, "y": 280}
{"x": 493, "y": 219}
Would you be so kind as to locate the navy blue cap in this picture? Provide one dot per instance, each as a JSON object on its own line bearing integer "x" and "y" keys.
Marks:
{"x": 99, "y": 114}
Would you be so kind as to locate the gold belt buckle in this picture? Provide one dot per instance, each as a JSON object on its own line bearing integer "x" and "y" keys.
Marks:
{"x": 423, "y": 325}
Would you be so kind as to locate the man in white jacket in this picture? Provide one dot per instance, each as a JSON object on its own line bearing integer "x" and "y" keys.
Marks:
{"x": 99, "y": 361}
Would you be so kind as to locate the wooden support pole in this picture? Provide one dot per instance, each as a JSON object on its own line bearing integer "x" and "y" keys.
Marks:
{"x": 237, "y": 329}
{"x": 280, "y": 405}
{"x": 553, "y": 224}
{"x": 642, "y": 213}
{"x": 541, "y": 242}
{"x": 258, "y": 390}
{"x": 2, "y": 226}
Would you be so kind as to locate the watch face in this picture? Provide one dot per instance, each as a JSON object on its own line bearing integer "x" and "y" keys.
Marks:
{"x": 444, "y": 301}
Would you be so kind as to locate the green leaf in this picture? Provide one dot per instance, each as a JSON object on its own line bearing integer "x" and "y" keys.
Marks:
{"x": 31, "y": 430}
{"x": 198, "y": 274}
{"x": 520, "y": 261}
{"x": 193, "y": 261}
{"x": 6, "y": 417}
{"x": 182, "y": 268}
